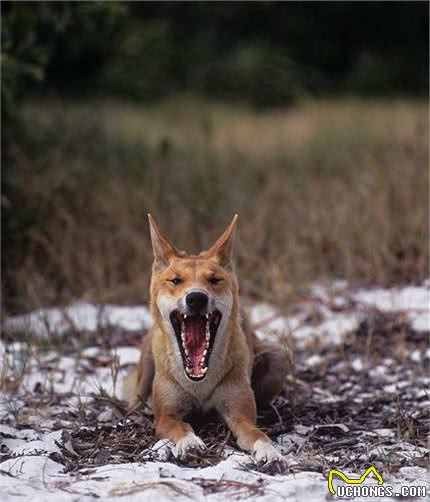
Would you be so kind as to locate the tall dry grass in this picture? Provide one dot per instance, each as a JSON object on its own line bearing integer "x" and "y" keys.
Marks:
{"x": 325, "y": 189}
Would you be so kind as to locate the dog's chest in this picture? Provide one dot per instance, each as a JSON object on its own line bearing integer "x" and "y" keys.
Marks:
{"x": 201, "y": 392}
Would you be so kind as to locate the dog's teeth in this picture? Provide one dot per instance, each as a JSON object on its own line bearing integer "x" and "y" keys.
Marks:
{"x": 208, "y": 336}
{"x": 185, "y": 316}
{"x": 207, "y": 316}
{"x": 204, "y": 370}
{"x": 205, "y": 352}
{"x": 187, "y": 352}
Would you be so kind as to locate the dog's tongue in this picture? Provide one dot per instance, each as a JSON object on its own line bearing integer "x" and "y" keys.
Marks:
{"x": 195, "y": 340}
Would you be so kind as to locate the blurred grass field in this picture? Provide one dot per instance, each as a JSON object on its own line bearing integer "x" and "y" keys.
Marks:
{"x": 325, "y": 189}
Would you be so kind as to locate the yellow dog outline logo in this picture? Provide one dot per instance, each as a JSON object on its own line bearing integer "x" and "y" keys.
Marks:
{"x": 350, "y": 481}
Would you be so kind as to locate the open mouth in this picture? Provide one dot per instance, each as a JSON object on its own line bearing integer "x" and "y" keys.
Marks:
{"x": 196, "y": 338}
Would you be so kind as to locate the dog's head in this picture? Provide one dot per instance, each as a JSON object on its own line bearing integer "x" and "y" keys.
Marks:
{"x": 192, "y": 297}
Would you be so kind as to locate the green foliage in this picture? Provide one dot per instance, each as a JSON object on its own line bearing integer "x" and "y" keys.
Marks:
{"x": 266, "y": 53}
{"x": 261, "y": 73}
{"x": 33, "y": 35}
{"x": 141, "y": 64}
{"x": 24, "y": 54}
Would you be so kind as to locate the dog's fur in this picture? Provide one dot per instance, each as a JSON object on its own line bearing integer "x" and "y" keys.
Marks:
{"x": 241, "y": 369}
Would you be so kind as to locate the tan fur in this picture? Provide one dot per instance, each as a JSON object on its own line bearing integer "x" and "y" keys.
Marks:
{"x": 239, "y": 361}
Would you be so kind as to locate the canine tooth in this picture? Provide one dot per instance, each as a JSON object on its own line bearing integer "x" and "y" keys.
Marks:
{"x": 204, "y": 370}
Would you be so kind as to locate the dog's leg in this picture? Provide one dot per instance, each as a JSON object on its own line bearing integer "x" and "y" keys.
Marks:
{"x": 239, "y": 412}
{"x": 138, "y": 384}
{"x": 171, "y": 404}
{"x": 269, "y": 372}
{"x": 146, "y": 370}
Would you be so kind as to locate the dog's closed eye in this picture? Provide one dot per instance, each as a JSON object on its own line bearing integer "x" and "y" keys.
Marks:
{"x": 214, "y": 280}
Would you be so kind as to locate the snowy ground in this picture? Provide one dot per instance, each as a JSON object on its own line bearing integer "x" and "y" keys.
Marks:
{"x": 358, "y": 396}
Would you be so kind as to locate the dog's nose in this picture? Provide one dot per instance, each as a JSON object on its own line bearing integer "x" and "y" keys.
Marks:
{"x": 197, "y": 302}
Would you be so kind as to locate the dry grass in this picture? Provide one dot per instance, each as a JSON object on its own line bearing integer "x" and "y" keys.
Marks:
{"x": 325, "y": 189}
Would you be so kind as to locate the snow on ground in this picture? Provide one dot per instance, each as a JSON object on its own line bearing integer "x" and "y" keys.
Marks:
{"x": 339, "y": 311}
{"x": 415, "y": 301}
{"x": 80, "y": 316}
{"x": 46, "y": 385}
{"x": 42, "y": 480}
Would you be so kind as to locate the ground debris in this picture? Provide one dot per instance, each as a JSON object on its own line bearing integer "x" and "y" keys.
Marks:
{"x": 346, "y": 405}
{"x": 232, "y": 486}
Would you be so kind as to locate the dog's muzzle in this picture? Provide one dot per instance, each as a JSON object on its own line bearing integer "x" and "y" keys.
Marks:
{"x": 196, "y": 332}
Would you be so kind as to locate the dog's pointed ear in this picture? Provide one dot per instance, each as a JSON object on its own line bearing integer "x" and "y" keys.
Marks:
{"x": 162, "y": 248}
{"x": 222, "y": 250}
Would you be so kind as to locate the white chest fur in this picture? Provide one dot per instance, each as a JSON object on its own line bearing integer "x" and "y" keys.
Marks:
{"x": 202, "y": 390}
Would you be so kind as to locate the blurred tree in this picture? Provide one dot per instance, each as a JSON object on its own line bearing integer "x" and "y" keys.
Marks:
{"x": 27, "y": 40}
{"x": 36, "y": 35}
{"x": 265, "y": 52}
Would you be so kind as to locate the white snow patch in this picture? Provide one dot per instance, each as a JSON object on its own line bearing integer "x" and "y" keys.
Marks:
{"x": 413, "y": 300}
{"x": 27, "y": 434}
{"x": 395, "y": 299}
{"x": 31, "y": 467}
{"x": 332, "y": 331}
{"x": 314, "y": 360}
{"x": 357, "y": 364}
{"x": 127, "y": 355}
{"x": 80, "y": 316}
{"x": 415, "y": 356}
{"x": 46, "y": 444}
{"x": 40, "y": 479}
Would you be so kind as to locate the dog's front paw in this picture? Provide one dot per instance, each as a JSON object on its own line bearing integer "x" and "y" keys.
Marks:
{"x": 189, "y": 443}
{"x": 264, "y": 451}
